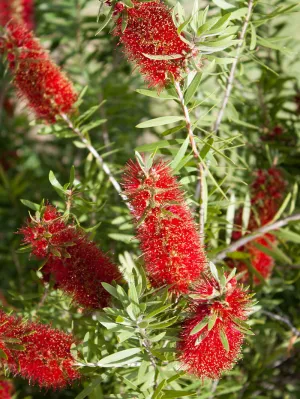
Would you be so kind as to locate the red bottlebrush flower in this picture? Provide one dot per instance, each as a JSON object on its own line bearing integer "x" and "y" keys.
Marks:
{"x": 150, "y": 30}
{"x": 77, "y": 265}
{"x": 217, "y": 345}
{"x": 20, "y": 11}
{"x": 267, "y": 192}
{"x": 6, "y": 389}
{"x": 37, "y": 352}
{"x": 39, "y": 81}
{"x": 165, "y": 227}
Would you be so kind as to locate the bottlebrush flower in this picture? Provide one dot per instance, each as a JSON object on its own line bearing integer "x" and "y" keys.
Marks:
{"x": 267, "y": 192}
{"x": 39, "y": 81}
{"x": 37, "y": 352}
{"x": 20, "y": 11}
{"x": 215, "y": 345}
{"x": 165, "y": 227}
{"x": 150, "y": 30}
{"x": 76, "y": 265}
{"x": 6, "y": 389}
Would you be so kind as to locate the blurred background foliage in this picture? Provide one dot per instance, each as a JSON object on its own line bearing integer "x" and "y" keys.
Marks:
{"x": 265, "y": 99}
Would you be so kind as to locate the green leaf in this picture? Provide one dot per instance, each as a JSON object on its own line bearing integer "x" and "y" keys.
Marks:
{"x": 177, "y": 394}
{"x": 158, "y": 390}
{"x": 30, "y": 204}
{"x": 157, "y": 311}
{"x": 106, "y": 21}
{"x": 191, "y": 90}
{"x": 198, "y": 327}
{"x": 116, "y": 357}
{"x": 287, "y": 235}
{"x": 224, "y": 340}
{"x": 163, "y": 120}
{"x": 112, "y": 290}
{"x": 90, "y": 388}
{"x": 212, "y": 321}
{"x": 163, "y": 57}
{"x": 155, "y": 94}
{"x": 163, "y": 324}
{"x": 180, "y": 153}
{"x": 56, "y": 184}
{"x": 223, "y": 4}
{"x": 246, "y": 213}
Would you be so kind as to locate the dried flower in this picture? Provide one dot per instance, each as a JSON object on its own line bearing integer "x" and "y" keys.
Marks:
{"x": 6, "y": 389}
{"x": 76, "y": 264}
{"x": 39, "y": 81}
{"x": 150, "y": 30}
{"x": 212, "y": 336}
{"x": 37, "y": 352}
{"x": 165, "y": 227}
{"x": 20, "y": 11}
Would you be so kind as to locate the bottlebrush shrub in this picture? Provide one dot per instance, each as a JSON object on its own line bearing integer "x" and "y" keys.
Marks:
{"x": 38, "y": 80}
{"x": 6, "y": 389}
{"x": 37, "y": 352}
{"x": 165, "y": 226}
{"x": 211, "y": 338}
{"x": 76, "y": 264}
{"x": 150, "y": 33}
{"x": 20, "y": 11}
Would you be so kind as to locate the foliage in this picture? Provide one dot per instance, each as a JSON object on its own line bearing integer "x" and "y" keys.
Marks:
{"x": 128, "y": 350}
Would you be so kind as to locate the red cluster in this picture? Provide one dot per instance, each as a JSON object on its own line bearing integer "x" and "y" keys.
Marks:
{"x": 39, "y": 81}
{"x": 37, "y": 352}
{"x": 6, "y": 389}
{"x": 150, "y": 30}
{"x": 76, "y": 265}
{"x": 267, "y": 192}
{"x": 166, "y": 229}
{"x": 20, "y": 11}
{"x": 203, "y": 353}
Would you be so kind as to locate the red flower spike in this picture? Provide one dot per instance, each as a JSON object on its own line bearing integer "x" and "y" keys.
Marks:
{"x": 165, "y": 227}
{"x": 20, "y": 11}
{"x": 6, "y": 389}
{"x": 267, "y": 192}
{"x": 39, "y": 81}
{"x": 76, "y": 264}
{"x": 150, "y": 30}
{"x": 37, "y": 352}
{"x": 203, "y": 353}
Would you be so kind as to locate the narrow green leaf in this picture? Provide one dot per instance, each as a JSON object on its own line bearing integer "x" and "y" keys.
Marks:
{"x": 191, "y": 90}
{"x": 115, "y": 357}
{"x": 282, "y": 208}
{"x": 163, "y": 120}
{"x": 200, "y": 326}
{"x": 30, "y": 204}
{"x": 155, "y": 94}
{"x": 224, "y": 340}
{"x": 223, "y": 4}
{"x": 253, "y": 37}
{"x": 158, "y": 389}
{"x": 106, "y": 21}
{"x": 180, "y": 154}
{"x": 90, "y": 388}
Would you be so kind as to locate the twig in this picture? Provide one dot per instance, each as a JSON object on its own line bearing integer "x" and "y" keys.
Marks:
{"x": 284, "y": 320}
{"x": 197, "y": 156}
{"x": 258, "y": 233}
{"x": 97, "y": 156}
{"x": 233, "y": 68}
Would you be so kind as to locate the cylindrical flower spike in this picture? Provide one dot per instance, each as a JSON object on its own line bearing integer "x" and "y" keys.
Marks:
{"x": 150, "y": 33}
{"x": 39, "y": 81}
{"x": 6, "y": 389}
{"x": 77, "y": 265}
{"x": 165, "y": 227}
{"x": 212, "y": 336}
{"x": 267, "y": 191}
{"x": 20, "y": 11}
{"x": 37, "y": 352}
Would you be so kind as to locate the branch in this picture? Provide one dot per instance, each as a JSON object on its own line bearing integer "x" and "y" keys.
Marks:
{"x": 96, "y": 155}
{"x": 258, "y": 233}
{"x": 196, "y": 155}
{"x": 284, "y": 320}
{"x": 233, "y": 68}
